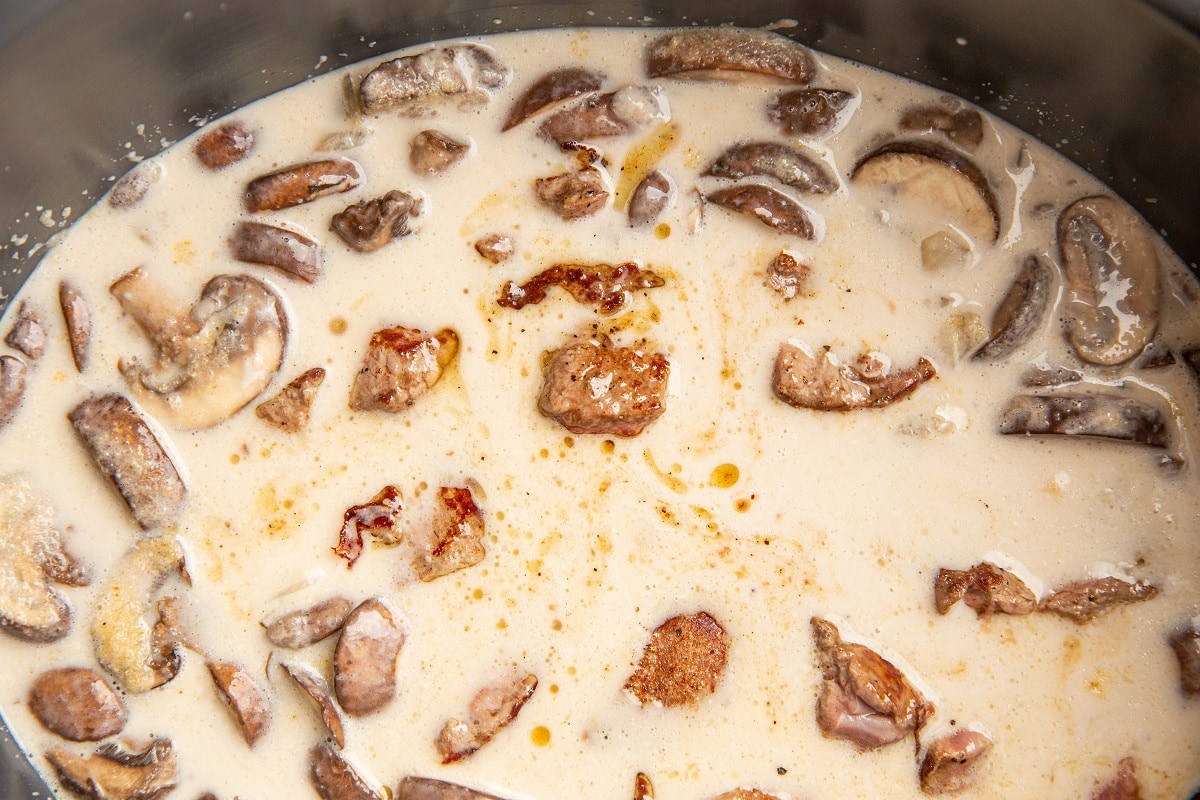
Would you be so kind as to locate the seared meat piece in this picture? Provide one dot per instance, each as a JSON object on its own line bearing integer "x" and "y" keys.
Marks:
{"x": 77, "y": 704}
{"x": 1186, "y": 644}
{"x": 302, "y": 183}
{"x": 28, "y": 333}
{"x": 787, "y": 276}
{"x": 113, "y": 773}
{"x": 1123, "y": 786}
{"x": 950, "y": 763}
{"x": 244, "y": 698}
{"x": 821, "y": 382}
{"x": 288, "y": 251}
{"x": 378, "y": 515}
{"x": 745, "y": 794}
{"x": 808, "y": 112}
{"x": 317, "y": 691}
{"x": 1084, "y": 601}
{"x": 433, "y": 152}
{"x": 985, "y": 588}
{"x": 594, "y": 118}
{"x": 650, "y": 198}
{"x": 131, "y": 187}
{"x": 643, "y": 789}
{"x": 550, "y": 89}
{"x": 864, "y": 698}
{"x": 573, "y": 195}
{"x": 963, "y": 126}
{"x": 401, "y": 365}
{"x": 225, "y": 144}
{"x": 364, "y": 661}
{"x": 771, "y": 208}
{"x": 682, "y": 662}
{"x": 492, "y": 709}
{"x": 1107, "y": 416}
{"x": 605, "y": 285}
{"x": 307, "y": 626}
{"x": 12, "y": 387}
{"x": 592, "y": 386}
{"x": 78, "y": 318}
{"x": 496, "y": 247}
{"x": 128, "y": 454}
{"x": 334, "y": 779}
{"x": 289, "y": 409}
{"x": 371, "y": 224}
{"x": 415, "y": 85}
{"x": 456, "y": 540}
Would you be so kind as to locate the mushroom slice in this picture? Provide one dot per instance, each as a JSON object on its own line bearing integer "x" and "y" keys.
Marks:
{"x": 371, "y": 224}
{"x": 808, "y": 112}
{"x": 456, "y": 540}
{"x": 604, "y": 115}
{"x": 951, "y": 763}
{"x": 573, "y": 195}
{"x": 1122, "y": 786}
{"x": 32, "y": 556}
{"x": 551, "y": 88}
{"x": 864, "y": 698}
{"x": 307, "y": 626}
{"x": 433, "y": 152}
{"x": 317, "y": 691}
{"x": 1113, "y": 282}
{"x": 650, "y": 199}
{"x": 729, "y": 54}
{"x": 607, "y": 286}
{"x": 334, "y": 778}
{"x": 415, "y": 85}
{"x": 1103, "y": 415}
{"x": 380, "y": 516}
{"x": 401, "y": 365}
{"x": 821, "y": 382}
{"x": 244, "y": 697}
{"x": 113, "y": 773}
{"x": 290, "y": 252}
{"x": 301, "y": 184}
{"x": 210, "y": 360}
{"x": 985, "y": 588}
{"x": 289, "y": 409}
{"x": 592, "y": 386}
{"x": 490, "y": 711}
{"x": 77, "y": 704}
{"x": 28, "y": 333}
{"x": 1084, "y": 601}
{"x": 643, "y": 789}
{"x": 227, "y": 143}
{"x": 417, "y": 788}
{"x": 938, "y": 179}
{"x": 787, "y": 276}
{"x": 12, "y": 387}
{"x": 129, "y": 454}
{"x": 768, "y": 206}
{"x": 125, "y": 640}
{"x": 962, "y": 126}
{"x": 133, "y": 185}
{"x": 78, "y": 318}
{"x": 364, "y": 661}
{"x": 1021, "y": 312}
{"x": 682, "y": 662}
{"x": 1186, "y": 644}
{"x": 772, "y": 159}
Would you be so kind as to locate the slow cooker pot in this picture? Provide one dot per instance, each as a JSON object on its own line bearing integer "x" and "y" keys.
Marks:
{"x": 88, "y": 87}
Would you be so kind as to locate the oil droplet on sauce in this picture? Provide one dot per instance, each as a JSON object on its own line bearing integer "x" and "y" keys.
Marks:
{"x": 662, "y": 230}
{"x": 540, "y": 736}
{"x": 724, "y": 476}
{"x": 337, "y": 326}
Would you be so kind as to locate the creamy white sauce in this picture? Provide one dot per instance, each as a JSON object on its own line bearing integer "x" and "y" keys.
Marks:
{"x": 594, "y": 541}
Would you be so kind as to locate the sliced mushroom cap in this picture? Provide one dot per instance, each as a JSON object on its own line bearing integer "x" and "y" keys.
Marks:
{"x": 768, "y": 206}
{"x": 32, "y": 556}
{"x": 317, "y": 691}
{"x": 951, "y": 763}
{"x": 372, "y": 224}
{"x": 607, "y": 286}
{"x": 819, "y": 381}
{"x": 1112, "y": 272}
{"x": 416, "y": 788}
{"x": 1103, "y": 415}
{"x": 415, "y": 85}
{"x": 211, "y": 360}
{"x": 1021, "y": 312}
{"x": 77, "y": 704}
{"x": 12, "y": 387}
{"x": 78, "y": 317}
{"x": 1084, "y": 601}
{"x": 652, "y": 196}
{"x": 307, "y": 626}
{"x": 28, "y": 333}
{"x": 433, "y": 152}
{"x": 123, "y": 632}
{"x": 225, "y": 144}
{"x": 302, "y": 183}
{"x": 334, "y": 778}
{"x": 1185, "y": 642}
{"x": 364, "y": 662}
{"x": 289, "y": 409}
{"x": 682, "y": 662}
{"x": 113, "y": 773}
{"x": 961, "y": 125}
{"x": 938, "y": 179}
{"x": 289, "y": 251}
{"x": 131, "y": 187}
{"x": 729, "y": 54}
{"x": 244, "y": 697}
{"x": 573, "y": 195}
{"x": 552, "y": 88}
{"x": 779, "y": 161}
{"x": 129, "y": 454}
{"x": 401, "y": 365}
{"x": 492, "y": 709}
{"x": 808, "y": 112}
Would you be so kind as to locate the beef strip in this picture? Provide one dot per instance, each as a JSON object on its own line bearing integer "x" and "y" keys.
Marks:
{"x": 1084, "y": 601}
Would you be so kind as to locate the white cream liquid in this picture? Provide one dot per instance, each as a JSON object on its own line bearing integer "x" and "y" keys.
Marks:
{"x": 593, "y": 542}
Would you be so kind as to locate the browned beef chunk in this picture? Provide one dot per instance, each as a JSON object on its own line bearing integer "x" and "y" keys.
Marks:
{"x": 607, "y": 286}
{"x": 808, "y": 112}
{"x": 572, "y": 195}
{"x": 224, "y": 144}
{"x": 378, "y": 515}
{"x": 1123, "y": 786}
{"x": 951, "y": 763}
{"x": 819, "y": 381}
{"x": 595, "y": 387}
{"x": 289, "y": 409}
{"x": 787, "y": 276}
{"x": 1083, "y": 601}
{"x": 682, "y": 662}
{"x": 985, "y": 588}
{"x": 456, "y": 539}
{"x": 371, "y": 224}
{"x": 401, "y": 365}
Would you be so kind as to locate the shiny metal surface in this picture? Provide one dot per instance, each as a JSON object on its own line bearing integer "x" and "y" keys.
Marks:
{"x": 85, "y": 84}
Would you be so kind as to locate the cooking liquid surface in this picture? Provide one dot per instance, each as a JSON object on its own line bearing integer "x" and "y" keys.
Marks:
{"x": 593, "y": 541}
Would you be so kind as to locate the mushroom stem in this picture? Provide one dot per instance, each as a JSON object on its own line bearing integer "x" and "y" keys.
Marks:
{"x": 153, "y": 307}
